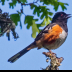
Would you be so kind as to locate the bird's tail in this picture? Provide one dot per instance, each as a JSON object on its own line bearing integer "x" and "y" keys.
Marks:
{"x": 22, "y": 52}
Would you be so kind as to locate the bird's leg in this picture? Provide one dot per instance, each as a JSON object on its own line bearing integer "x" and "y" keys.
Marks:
{"x": 52, "y": 52}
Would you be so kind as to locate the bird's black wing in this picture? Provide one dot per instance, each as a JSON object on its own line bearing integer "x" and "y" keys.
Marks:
{"x": 45, "y": 30}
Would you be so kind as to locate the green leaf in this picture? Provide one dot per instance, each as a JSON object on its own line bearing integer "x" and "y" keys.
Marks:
{"x": 35, "y": 10}
{"x": 28, "y": 21}
{"x": 55, "y": 3}
{"x": 42, "y": 16}
{"x": 34, "y": 29}
{"x": 56, "y": 8}
{"x": 31, "y": 22}
{"x": 3, "y": 2}
{"x": 15, "y": 18}
{"x": 50, "y": 13}
{"x": 43, "y": 23}
{"x": 63, "y": 5}
{"x": 12, "y": 4}
{"x": 32, "y": 6}
{"x": 36, "y": 19}
{"x": 38, "y": 13}
{"x": 48, "y": 20}
{"x": 63, "y": 8}
{"x": 23, "y": 1}
{"x": 66, "y": 4}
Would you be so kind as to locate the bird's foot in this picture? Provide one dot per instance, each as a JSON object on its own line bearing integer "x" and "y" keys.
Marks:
{"x": 52, "y": 52}
{"x": 55, "y": 61}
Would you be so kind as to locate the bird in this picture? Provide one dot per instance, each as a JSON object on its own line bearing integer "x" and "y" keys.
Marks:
{"x": 51, "y": 37}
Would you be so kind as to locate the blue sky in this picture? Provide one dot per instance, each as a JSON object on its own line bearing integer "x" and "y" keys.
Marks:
{"x": 34, "y": 59}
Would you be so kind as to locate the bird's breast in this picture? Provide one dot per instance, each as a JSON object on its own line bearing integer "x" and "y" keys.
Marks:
{"x": 54, "y": 38}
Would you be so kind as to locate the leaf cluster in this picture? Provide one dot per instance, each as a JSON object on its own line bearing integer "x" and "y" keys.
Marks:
{"x": 42, "y": 11}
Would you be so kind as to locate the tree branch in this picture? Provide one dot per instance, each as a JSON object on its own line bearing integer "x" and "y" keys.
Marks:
{"x": 6, "y": 24}
{"x": 55, "y": 62}
{"x": 28, "y": 3}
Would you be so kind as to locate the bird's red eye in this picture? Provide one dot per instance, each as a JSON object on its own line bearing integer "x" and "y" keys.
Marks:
{"x": 61, "y": 14}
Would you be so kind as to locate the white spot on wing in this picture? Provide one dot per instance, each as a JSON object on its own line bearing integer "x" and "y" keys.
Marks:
{"x": 46, "y": 28}
{"x": 50, "y": 28}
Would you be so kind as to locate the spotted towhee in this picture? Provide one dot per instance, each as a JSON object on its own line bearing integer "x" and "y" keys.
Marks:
{"x": 51, "y": 37}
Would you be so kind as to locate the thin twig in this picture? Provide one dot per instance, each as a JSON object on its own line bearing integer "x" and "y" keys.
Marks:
{"x": 28, "y": 3}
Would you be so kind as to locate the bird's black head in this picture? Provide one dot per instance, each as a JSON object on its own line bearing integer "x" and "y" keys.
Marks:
{"x": 60, "y": 16}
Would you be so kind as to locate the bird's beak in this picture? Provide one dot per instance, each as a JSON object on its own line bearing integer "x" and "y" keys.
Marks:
{"x": 68, "y": 16}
